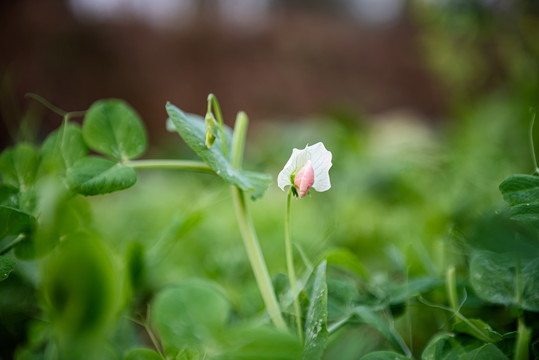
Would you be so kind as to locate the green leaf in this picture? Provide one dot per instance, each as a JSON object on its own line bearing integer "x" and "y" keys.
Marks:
{"x": 530, "y": 286}
{"x": 485, "y": 352}
{"x": 14, "y": 222}
{"x": 8, "y": 195}
{"x": 520, "y": 189}
{"x": 61, "y": 214}
{"x": 7, "y": 264}
{"x": 113, "y": 128}
{"x": 478, "y": 329}
{"x": 260, "y": 343}
{"x": 346, "y": 259}
{"x": 441, "y": 347}
{"x": 495, "y": 278}
{"x": 403, "y": 291}
{"x": 370, "y": 317}
{"x": 80, "y": 287}
{"x": 193, "y": 131}
{"x": 189, "y": 314}
{"x": 316, "y": 332}
{"x": 142, "y": 354}
{"x": 384, "y": 355}
{"x": 62, "y": 148}
{"x": 93, "y": 176}
{"x": 18, "y": 165}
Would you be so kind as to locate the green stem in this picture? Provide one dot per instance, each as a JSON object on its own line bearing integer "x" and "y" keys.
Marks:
{"x": 256, "y": 258}
{"x": 247, "y": 230}
{"x": 170, "y": 164}
{"x": 10, "y": 246}
{"x": 212, "y": 102}
{"x": 290, "y": 267}
{"x": 522, "y": 351}
{"x": 531, "y": 143}
{"x": 451, "y": 287}
{"x": 66, "y": 115}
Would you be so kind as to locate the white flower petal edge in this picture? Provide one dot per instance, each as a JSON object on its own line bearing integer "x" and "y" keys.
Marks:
{"x": 321, "y": 161}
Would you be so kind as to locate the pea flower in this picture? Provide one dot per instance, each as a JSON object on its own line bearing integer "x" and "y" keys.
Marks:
{"x": 305, "y": 169}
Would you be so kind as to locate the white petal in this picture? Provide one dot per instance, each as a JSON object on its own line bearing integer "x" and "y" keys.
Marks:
{"x": 293, "y": 165}
{"x": 321, "y": 160}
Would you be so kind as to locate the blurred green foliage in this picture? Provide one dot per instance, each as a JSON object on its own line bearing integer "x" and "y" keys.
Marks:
{"x": 413, "y": 253}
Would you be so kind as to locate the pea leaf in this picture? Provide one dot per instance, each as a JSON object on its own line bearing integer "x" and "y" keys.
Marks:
{"x": 478, "y": 329}
{"x": 79, "y": 285}
{"x": 18, "y": 165}
{"x": 384, "y": 355}
{"x": 94, "y": 176}
{"x": 14, "y": 222}
{"x": 520, "y": 189}
{"x": 259, "y": 342}
{"x": 113, "y": 128}
{"x": 193, "y": 131}
{"x": 189, "y": 314}
{"x": 495, "y": 278}
{"x": 8, "y": 195}
{"x": 62, "y": 148}
{"x": 370, "y": 317}
{"x": 316, "y": 332}
{"x": 6, "y": 267}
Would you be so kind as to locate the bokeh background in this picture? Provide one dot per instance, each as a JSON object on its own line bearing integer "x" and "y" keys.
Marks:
{"x": 424, "y": 104}
{"x": 274, "y": 59}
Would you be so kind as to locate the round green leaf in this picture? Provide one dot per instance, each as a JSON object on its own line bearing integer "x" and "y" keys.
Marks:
{"x": 113, "y": 128}
{"x": 189, "y": 314}
{"x": 18, "y": 165}
{"x": 62, "y": 148}
{"x": 94, "y": 176}
{"x": 6, "y": 267}
{"x": 14, "y": 222}
{"x": 79, "y": 287}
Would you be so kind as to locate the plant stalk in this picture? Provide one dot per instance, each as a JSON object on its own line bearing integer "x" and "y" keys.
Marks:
{"x": 523, "y": 341}
{"x": 247, "y": 230}
{"x": 290, "y": 267}
{"x": 170, "y": 164}
{"x": 256, "y": 258}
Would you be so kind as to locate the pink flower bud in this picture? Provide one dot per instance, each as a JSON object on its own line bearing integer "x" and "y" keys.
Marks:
{"x": 304, "y": 179}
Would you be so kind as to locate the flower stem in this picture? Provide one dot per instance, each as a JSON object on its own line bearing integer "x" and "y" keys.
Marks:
{"x": 170, "y": 164}
{"x": 290, "y": 267}
{"x": 247, "y": 230}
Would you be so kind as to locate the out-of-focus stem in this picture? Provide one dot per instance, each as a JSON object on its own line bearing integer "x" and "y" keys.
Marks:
{"x": 290, "y": 267}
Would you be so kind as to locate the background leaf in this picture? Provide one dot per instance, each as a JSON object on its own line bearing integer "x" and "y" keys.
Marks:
{"x": 520, "y": 189}
{"x": 18, "y": 165}
{"x": 93, "y": 176}
{"x": 478, "y": 329}
{"x": 316, "y": 332}
{"x": 189, "y": 314}
{"x": 113, "y": 128}
{"x": 193, "y": 131}
{"x": 62, "y": 148}
{"x": 384, "y": 355}
{"x": 494, "y": 279}
{"x": 14, "y": 222}
{"x": 7, "y": 264}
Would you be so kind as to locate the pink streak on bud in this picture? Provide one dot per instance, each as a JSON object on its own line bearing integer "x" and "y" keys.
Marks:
{"x": 304, "y": 179}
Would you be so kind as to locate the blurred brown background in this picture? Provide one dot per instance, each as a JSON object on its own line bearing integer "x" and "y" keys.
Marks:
{"x": 271, "y": 58}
